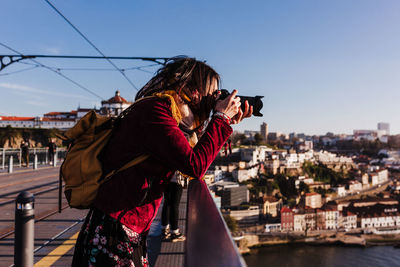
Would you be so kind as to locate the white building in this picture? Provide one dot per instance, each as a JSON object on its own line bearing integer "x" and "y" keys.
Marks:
{"x": 240, "y": 175}
{"x": 65, "y": 120}
{"x": 217, "y": 173}
{"x": 114, "y": 106}
{"x": 331, "y": 158}
{"x": 272, "y": 227}
{"x": 17, "y": 122}
{"x": 369, "y": 135}
{"x": 331, "y": 219}
{"x": 313, "y": 200}
{"x": 379, "y": 177}
{"x": 248, "y": 215}
{"x": 385, "y": 127}
{"x": 382, "y": 220}
{"x": 383, "y": 176}
{"x": 355, "y": 186}
{"x": 299, "y": 222}
{"x": 373, "y": 179}
{"x": 254, "y": 155}
{"x": 348, "y": 220}
{"x": 340, "y": 191}
{"x": 36, "y": 122}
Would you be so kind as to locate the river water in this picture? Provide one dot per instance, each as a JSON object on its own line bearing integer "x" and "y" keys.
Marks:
{"x": 330, "y": 256}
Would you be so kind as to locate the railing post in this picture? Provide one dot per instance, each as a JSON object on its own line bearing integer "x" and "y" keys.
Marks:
{"x": 34, "y": 153}
{"x": 35, "y": 162}
{"x": 10, "y": 164}
{"x": 24, "y": 229}
{"x": 47, "y": 158}
{"x": 55, "y": 159}
{"x": 3, "y": 162}
{"x": 20, "y": 157}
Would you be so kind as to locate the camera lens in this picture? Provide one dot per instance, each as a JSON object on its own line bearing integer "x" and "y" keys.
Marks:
{"x": 254, "y": 101}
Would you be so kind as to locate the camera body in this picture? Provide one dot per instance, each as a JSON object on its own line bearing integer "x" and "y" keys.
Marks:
{"x": 254, "y": 101}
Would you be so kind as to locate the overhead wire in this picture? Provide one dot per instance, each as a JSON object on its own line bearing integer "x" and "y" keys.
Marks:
{"x": 99, "y": 69}
{"x": 87, "y": 40}
{"x": 18, "y": 71}
{"x": 59, "y": 73}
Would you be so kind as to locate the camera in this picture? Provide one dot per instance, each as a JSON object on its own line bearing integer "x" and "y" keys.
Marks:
{"x": 254, "y": 101}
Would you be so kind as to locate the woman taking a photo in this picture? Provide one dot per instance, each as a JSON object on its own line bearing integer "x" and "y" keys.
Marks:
{"x": 115, "y": 229}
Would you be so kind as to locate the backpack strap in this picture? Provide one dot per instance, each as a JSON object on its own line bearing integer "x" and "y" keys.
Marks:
{"x": 131, "y": 163}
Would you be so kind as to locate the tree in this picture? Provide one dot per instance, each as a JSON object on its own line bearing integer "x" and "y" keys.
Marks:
{"x": 237, "y": 138}
{"x": 303, "y": 187}
{"x": 231, "y": 223}
{"x": 259, "y": 139}
{"x": 321, "y": 191}
{"x": 323, "y": 174}
{"x": 286, "y": 186}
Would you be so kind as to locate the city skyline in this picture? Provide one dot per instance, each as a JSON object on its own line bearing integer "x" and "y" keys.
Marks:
{"x": 322, "y": 67}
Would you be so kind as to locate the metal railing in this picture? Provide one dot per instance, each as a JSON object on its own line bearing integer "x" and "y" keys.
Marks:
{"x": 209, "y": 242}
{"x": 16, "y": 154}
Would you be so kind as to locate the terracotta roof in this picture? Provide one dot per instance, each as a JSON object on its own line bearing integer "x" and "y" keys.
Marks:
{"x": 270, "y": 199}
{"x": 286, "y": 209}
{"x": 55, "y": 113}
{"x": 116, "y": 99}
{"x": 13, "y": 118}
{"x": 348, "y": 213}
{"x": 311, "y": 194}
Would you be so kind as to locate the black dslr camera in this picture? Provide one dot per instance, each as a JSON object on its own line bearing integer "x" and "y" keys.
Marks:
{"x": 254, "y": 101}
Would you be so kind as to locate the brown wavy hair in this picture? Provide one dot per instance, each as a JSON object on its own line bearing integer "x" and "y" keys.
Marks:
{"x": 190, "y": 78}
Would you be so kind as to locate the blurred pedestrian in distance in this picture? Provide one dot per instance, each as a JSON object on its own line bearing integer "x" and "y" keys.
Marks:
{"x": 24, "y": 153}
{"x": 226, "y": 149}
{"x": 114, "y": 232}
{"x": 230, "y": 146}
{"x": 51, "y": 150}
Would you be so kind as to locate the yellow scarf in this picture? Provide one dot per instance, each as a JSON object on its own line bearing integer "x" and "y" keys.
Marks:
{"x": 170, "y": 94}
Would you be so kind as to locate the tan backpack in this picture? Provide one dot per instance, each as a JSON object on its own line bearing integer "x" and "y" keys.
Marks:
{"x": 82, "y": 168}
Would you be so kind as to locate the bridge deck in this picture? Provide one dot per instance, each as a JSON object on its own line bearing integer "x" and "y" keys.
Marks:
{"x": 56, "y": 235}
{"x": 165, "y": 254}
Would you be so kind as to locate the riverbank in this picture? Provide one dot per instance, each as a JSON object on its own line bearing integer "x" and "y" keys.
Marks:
{"x": 250, "y": 241}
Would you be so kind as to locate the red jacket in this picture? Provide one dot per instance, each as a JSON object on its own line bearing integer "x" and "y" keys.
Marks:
{"x": 150, "y": 129}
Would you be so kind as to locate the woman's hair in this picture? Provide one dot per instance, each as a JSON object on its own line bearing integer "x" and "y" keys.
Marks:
{"x": 190, "y": 78}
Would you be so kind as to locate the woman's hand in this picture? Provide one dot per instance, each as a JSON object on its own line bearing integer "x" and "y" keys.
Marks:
{"x": 230, "y": 106}
{"x": 248, "y": 111}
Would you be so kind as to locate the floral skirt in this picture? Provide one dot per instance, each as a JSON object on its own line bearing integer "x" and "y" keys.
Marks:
{"x": 103, "y": 241}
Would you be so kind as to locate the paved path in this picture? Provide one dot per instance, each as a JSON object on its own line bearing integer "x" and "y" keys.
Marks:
{"x": 55, "y": 235}
{"x": 167, "y": 254}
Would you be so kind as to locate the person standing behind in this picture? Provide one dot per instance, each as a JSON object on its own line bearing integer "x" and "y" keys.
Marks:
{"x": 170, "y": 211}
{"x": 173, "y": 191}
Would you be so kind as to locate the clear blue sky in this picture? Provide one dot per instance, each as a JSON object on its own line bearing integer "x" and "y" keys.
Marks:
{"x": 321, "y": 65}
